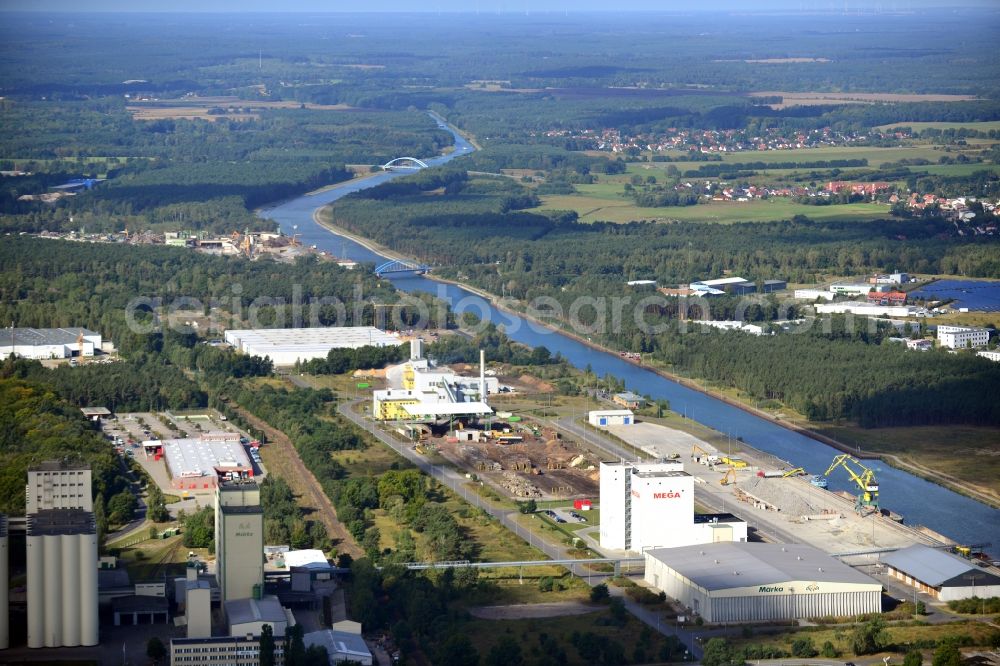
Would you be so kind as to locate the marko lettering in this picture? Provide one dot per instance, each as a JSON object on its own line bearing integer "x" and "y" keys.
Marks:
{"x": 768, "y": 588}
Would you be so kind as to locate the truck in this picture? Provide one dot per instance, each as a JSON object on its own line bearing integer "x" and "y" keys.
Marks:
{"x": 734, "y": 462}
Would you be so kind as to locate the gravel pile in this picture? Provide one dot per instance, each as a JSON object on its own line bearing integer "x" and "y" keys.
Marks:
{"x": 779, "y": 493}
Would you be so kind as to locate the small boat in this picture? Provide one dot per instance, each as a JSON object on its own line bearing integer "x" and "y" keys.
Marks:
{"x": 818, "y": 481}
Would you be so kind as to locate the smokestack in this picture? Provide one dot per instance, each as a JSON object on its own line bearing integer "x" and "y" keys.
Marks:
{"x": 482, "y": 375}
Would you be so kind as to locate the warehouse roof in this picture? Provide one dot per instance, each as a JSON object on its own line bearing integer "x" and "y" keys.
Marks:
{"x": 930, "y": 566}
{"x": 719, "y": 566}
{"x": 309, "y": 558}
{"x": 718, "y": 282}
{"x": 261, "y": 340}
{"x": 265, "y": 609}
{"x": 340, "y": 644}
{"x": 44, "y": 336}
{"x": 193, "y": 458}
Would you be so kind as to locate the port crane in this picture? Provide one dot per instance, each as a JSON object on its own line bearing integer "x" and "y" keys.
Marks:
{"x": 863, "y": 477}
{"x": 793, "y": 472}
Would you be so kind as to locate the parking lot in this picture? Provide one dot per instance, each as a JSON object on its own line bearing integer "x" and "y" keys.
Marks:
{"x": 128, "y": 431}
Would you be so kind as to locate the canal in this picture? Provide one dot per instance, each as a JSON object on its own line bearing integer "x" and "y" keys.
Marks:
{"x": 919, "y": 501}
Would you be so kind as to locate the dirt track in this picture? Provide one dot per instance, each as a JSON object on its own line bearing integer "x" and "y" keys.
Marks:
{"x": 281, "y": 459}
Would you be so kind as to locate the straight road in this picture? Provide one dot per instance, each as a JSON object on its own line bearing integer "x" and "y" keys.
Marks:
{"x": 458, "y": 484}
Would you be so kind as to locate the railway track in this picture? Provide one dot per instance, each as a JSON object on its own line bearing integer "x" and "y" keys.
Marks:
{"x": 281, "y": 458}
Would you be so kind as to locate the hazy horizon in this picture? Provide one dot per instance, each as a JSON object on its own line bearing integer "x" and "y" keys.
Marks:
{"x": 491, "y": 6}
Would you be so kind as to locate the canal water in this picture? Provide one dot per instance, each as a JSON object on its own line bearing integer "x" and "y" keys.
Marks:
{"x": 920, "y": 502}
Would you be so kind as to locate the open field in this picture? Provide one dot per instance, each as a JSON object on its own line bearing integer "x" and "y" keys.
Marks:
{"x": 968, "y": 453}
{"x": 813, "y": 98}
{"x": 198, "y": 107}
{"x": 484, "y": 634}
{"x": 183, "y": 113}
{"x": 984, "y": 126}
{"x": 875, "y": 155}
{"x": 155, "y": 558}
{"x": 609, "y": 209}
{"x": 903, "y": 634}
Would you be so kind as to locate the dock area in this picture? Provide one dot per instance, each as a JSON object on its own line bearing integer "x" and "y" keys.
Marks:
{"x": 778, "y": 508}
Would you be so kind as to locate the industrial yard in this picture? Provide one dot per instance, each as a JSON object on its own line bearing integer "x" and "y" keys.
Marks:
{"x": 778, "y": 505}
{"x": 185, "y": 454}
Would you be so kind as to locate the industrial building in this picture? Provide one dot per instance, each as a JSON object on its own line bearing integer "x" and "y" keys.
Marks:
{"x": 4, "y": 586}
{"x": 43, "y": 343}
{"x": 646, "y": 505}
{"x": 813, "y": 294}
{"x": 62, "y": 578}
{"x": 759, "y": 582}
{"x": 58, "y": 485}
{"x": 770, "y": 286}
{"x": 845, "y": 289}
{"x": 247, "y": 617}
{"x": 343, "y": 643}
{"x": 213, "y": 651}
{"x": 961, "y": 337}
{"x": 239, "y": 540}
{"x": 722, "y": 285}
{"x": 867, "y": 309}
{"x": 606, "y": 417}
{"x": 733, "y": 325}
{"x": 199, "y": 463}
{"x": 629, "y": 400}
{"x": 285, "y": 346}
{"x": 940, "y": 574}
{"x": 429, "y": 394}
{"x": 61, "y": 556}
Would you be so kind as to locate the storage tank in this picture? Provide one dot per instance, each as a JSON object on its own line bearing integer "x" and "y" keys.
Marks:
{"x": 52, "y": 583}
{"x": 70, "y": 561}
{"x": 89, "y": 626}
{"x": 36, "y": 591}
{"x": 4, "y": 590}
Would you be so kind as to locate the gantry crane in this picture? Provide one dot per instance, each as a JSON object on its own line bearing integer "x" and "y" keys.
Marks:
{"x": 863, "y": 477}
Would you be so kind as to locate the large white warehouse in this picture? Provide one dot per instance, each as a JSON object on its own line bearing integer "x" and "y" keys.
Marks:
{"x": 285, "y": 346}
{"x": 647, "y": 505}
{"x": 42, "y": 343}
{"x": 940, "y": 574}
{"x": 757, "y": 582}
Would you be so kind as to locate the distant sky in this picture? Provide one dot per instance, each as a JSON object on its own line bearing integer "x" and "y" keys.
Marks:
{"x": 519, "y": 6}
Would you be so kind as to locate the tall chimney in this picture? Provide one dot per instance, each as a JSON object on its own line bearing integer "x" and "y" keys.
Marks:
{"x": 482, "y": 375}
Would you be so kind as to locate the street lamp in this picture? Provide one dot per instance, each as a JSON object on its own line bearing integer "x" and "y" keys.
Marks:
{"x": 973, "y": 577}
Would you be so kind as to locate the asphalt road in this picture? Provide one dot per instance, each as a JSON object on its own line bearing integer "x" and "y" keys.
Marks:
{"x": 457, "y": 483}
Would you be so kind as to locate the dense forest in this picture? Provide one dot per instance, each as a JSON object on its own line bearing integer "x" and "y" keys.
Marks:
{"x": 46, "y": 283}
{"x": 36, "y": 424}
{"x": 187, "y": 174}
{"x": 837, "y": 377}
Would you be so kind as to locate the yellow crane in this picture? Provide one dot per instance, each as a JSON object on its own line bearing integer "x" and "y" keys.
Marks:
{"x": 793, "y": 472}
{"x": 863, "y": 477}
